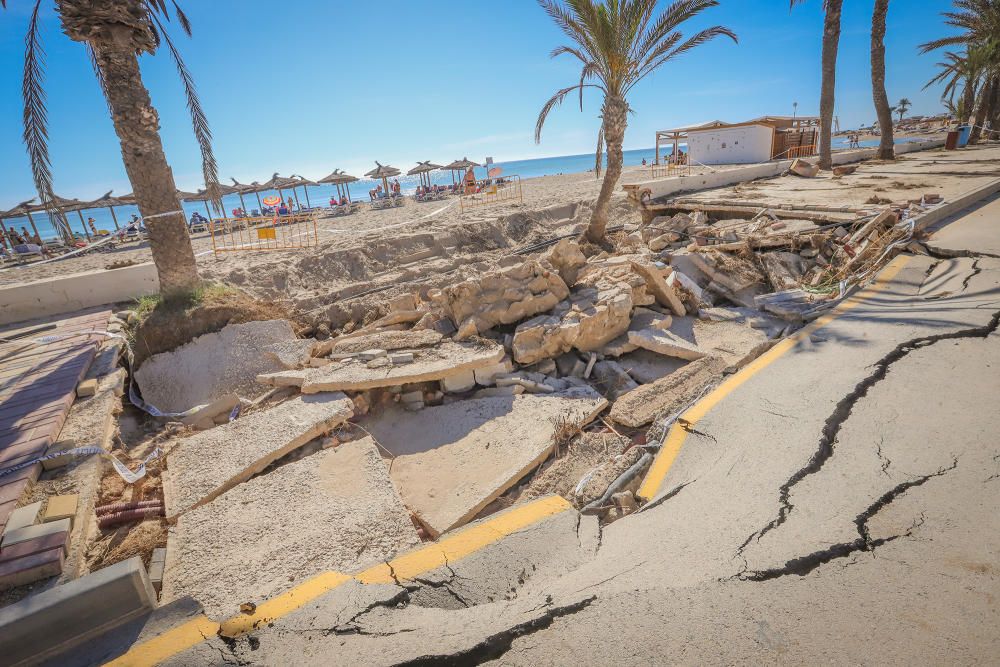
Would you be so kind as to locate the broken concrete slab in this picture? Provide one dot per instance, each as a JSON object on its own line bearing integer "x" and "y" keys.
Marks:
{"x": 566, "y": 258}
{"x": 387, "y": 340}
{"x": 666, "y": 343}
{"x": 593, "y": 317}
{"x": 784, "y": 269}
{"x": 667, "y": 395}
{"x": 433, "y": 363}
{"x": 501, "y": 297}
{"x": 611, "y": 379}
{"x": 292, "y": 353}
{"x": 335, "y": 510}
{"x": 221, "y": 406}
{"x": 212, "y": 365}
{"x": 453, "y": 460}
{"x": 658, "y": 287}
{"x": 644, "y": 366}
{"x": 205, "y": 465}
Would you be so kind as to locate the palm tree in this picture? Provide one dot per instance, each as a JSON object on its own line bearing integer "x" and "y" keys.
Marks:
{"x": 902, "y": 106}
{"x": 116, "y": 32}
{"x": 979, "y": 25}
{"x": 619, "y": 43}
{"x": 886, "y": 150}
{"x": 959, "y": 71}
{"x": 831, "y": 42}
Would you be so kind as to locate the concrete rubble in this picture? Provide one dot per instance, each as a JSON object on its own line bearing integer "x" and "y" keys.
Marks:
{"x": 432, "y": 363}
{"x": 197, "y": 472}
{"x": 451, "y": 461}
{"x": 238, "y": 548}
{"x": 213, "y": 365}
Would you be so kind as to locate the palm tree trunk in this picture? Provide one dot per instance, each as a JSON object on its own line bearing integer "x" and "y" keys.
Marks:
{"x": 831, "y": 41}
{"x": 615, "y": 113}
{"x": 982, "y": 105}
{"x": 885, "y": 145}
{"x": 137, "y": 125}
{"x": 968, "y": 99}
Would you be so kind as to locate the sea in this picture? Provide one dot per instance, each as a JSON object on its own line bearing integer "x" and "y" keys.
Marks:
{"x": 320, "y": 195}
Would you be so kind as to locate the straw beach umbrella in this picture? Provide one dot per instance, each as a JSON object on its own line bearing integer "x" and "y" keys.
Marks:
{"x": 424, "y": 169}
{"x": 109, "y": 202}
{"x": 384, "y": 172}
{"x": 248, "y": 188}
{"x": 305, "y": 183}
{"x": 339, "y": 178}
{"x": 17, "y": 212}
{"x": 280, "y": 183}
{"x": 460, "y": 165}
{"x": 62, "y": 205}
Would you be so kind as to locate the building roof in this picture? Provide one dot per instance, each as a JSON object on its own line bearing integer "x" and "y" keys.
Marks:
{"x": 770, "y": 121}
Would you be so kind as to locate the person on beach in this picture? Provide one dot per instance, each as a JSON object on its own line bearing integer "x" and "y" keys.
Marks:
{"x": 93, "y": 227}
{"x": 289, "y": 205}
{"x": 643, "y": 162}
{"x": 470, "y": 181}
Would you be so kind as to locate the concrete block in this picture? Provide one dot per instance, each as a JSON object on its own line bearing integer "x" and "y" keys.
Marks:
{"x": 487, "y": 376}
{"x": 53, "y": 621}
{"x": 26, "y": 533}
{"x": 156, "y": 574}
{"x": 34, "y": 567}
{"x": 459, "y": 382}
{"x": 412, "y": 397}
{"x": 369, "y": 355}
{"x": 22, "y": 517}
{"x": 401, "y": 358}
{"x": 86, "y": 388}
{"x": 32, "y": 546}
{"x": 61, "y": 507}
{"x": 220, "y": 406}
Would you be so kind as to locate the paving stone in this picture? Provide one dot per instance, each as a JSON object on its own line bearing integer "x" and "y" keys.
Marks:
{"x": 56, "y": 620}
{"x": 207, "y": 464}
{"x": 38, "y": 530}
{"x": 86, "y": 388}
{"x": 31, "y": 568}
{"x": 61, "y": 507}
{"x": 22, "y": 517}
{"x": 34, "y": 545}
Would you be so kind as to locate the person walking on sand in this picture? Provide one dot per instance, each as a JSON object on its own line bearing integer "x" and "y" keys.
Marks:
{"x": 93, "y": 227}
{"x": 470, "y": 180}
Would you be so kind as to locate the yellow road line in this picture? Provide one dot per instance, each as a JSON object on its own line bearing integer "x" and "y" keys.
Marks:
{"x": 677, "y": 435}
{"x": 448, "y": 550}
{"x": 169, "y": 644}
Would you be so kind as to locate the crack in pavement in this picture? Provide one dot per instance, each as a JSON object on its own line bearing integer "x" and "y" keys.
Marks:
{"x": 841, "y": 413}
{"x": 498, "y": 644}
{"x": 927, "y": 274}
{"x": 941, "y": 253}
{"x": 975, "y": 272}
{"x": 803, "y": 565}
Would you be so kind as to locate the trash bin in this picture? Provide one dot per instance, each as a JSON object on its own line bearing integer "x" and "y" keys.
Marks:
{"x": 963, "y": 135}
{"x": 951, "y": 141}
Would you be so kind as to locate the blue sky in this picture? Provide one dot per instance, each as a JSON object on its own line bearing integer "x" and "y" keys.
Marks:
{"x": 305, "y": 86}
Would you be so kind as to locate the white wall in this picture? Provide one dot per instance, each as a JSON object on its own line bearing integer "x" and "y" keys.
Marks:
{"x": 69, "y": 293}
{"x": 671, "y": 185}
{"x": 731, "y": 145}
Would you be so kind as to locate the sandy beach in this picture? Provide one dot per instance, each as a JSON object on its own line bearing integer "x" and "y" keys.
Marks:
{"x": 363, "y": 229}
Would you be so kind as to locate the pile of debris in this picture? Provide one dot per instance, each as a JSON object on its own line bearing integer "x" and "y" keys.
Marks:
{"x": 792, "y": 263}
{"x": 465, "y": 398}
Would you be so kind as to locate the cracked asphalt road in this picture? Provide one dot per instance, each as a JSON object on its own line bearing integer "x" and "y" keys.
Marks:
{"x": 840, "y": 506}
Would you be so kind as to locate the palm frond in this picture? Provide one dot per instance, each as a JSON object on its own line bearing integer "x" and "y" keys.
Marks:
{"x": 199, "y": 120}
{"x": 182, "y": 18}
{"x": 553, "y": 102}
{"x": 35, "y": 118}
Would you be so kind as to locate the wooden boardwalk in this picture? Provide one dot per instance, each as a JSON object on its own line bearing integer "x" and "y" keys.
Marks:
{"x": 37, "y": 387}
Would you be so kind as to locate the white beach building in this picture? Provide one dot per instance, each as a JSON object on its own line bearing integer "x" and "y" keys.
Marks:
{"x": 758, "y": 140}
